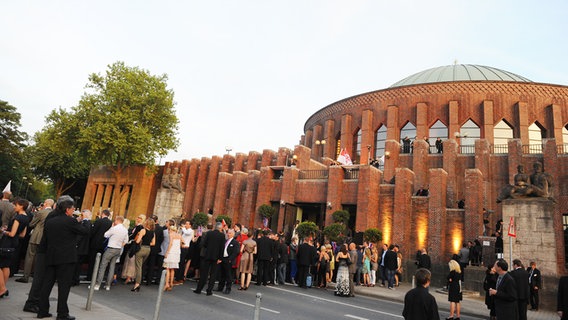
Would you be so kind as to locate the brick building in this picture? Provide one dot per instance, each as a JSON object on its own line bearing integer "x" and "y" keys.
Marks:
{"x": 488, "y": 120}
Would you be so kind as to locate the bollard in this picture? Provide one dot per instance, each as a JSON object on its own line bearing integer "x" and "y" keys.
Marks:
{"x": 257, "y": 306}
{"x": 93, "y": 281}
{"x": 160, "y": 293}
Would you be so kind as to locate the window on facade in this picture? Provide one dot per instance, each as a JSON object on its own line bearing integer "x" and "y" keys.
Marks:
{"x": 356, "y": 158}
{"x": 536, "y": 133}
{"x": 409, "y": 130}
{"x": 380, "y": 138}
{"x": 469, "y": 132}
{"x": 502, "y": 132}
{"x": 437, "y": 130}
{"x": 564, "y": 140}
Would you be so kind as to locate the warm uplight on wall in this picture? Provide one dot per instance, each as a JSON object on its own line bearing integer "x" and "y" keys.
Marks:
{"x": 329, "y": 206}
{"x": 458, "y": 135}
{"x": 457, "y": 240}
{"x": 387, "y": 154}
{"x": 282, "y": 203}
{"x": 422, "y": 230}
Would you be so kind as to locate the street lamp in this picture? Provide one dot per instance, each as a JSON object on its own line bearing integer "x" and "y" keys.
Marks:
{"x": 228, "y": 149}
{"x": 29, "y": 184}
{"x": 322, "y": 144}
{"x": 21, "y": 184}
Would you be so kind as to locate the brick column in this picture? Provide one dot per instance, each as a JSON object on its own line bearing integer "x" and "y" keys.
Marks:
{"x": 550, "y": 160}
{"x": 403, "y": 190}
{"x": 347, "y": 132}
{"x": 483, "y": 164}
{"x": 227, "y": 163}
{"x": 318, "y": 135}
{"x": 437, "y": 215}
{"x": 515, "y": 158}
{"x": 284, "y": 155}
{"x": 453, "y": 115}
{"x": 267, "y": 156}
{"x": 368, "y": 205}
{"x": 239, "y": 162}
{"x": 393, "y": 148}
{"x": 308, "y": 138}
{"x": 212, "y": 176}
{"x": 473, "y": 195}
{"x": 522, "y": 128}
{"x": 329, "y": 136}
{"x": 190, "y": 185}
{"x": 197, "y": 205}
{"x": 488, "y": 123}
{"x": 303, "y": 157}
{"x": 393, "y": 127}
{"x": 334, "y": 192}
{"x": 247, "y": 214}
{"x": 421, "y": 121}
{"x": 420, "y": 163}
{"x": 222, "y": 191}
{"x": 238, "y": 185}
{"x": 252, "y": 163}
{"x": 450, "y": 156}
{"x": 367, "y": 136}
{"x": 265, "y": 188}
{"x": 554, "y": 113}
{"x": 288, "y": 190}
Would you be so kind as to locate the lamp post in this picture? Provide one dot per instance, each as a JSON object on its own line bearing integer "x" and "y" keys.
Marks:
{"x": 21, "y": 184}
{"x": 228, "y": 149}
{"x": 29, "y": 184}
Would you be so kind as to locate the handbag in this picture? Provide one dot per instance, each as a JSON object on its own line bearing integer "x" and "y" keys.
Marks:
{"x": 134, "y": 248}
{"x": 6, "y": 252}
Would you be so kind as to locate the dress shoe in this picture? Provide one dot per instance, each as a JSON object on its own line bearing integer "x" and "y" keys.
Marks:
{"x": 227, "y": 291}
{"x": 219, "y": 290}
{"x": 5, "y": 294}
{"x": 22, "y": 280}
{"x": 32, "y": 309}
{"x": 196, "y": 291}
{"x": 135, "y": 289}
{"x": 44, "y": 315}
{"x": 209, "y": 293}
{"x": 67, "y": 317}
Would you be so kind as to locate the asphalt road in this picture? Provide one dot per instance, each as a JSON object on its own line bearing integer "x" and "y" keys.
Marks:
{"x": 278, "y": 302}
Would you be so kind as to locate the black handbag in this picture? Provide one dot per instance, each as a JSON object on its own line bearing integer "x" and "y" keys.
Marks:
{"x": 134, "y": 247}
{"x": 6, "y": 252}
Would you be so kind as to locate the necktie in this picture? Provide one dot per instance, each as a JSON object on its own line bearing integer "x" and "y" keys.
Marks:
{"x": 499, "y": 279}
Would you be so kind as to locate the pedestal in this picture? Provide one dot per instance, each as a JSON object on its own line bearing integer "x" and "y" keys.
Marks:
{"x": 535, "y": 241}
{"x": 169, "y": 204}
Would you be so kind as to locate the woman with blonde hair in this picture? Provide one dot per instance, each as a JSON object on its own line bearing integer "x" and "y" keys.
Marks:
{"x": 172, "y": 256}
{"x": 145, "y": 239}
{"x": 374, "y": 266}
{"x": 454, "y": 289}
{"x": 246, "y": 266}
{"x": 331, "y": 262}
{"x": 129, "y": 265}
{"x": 366, "y": 267}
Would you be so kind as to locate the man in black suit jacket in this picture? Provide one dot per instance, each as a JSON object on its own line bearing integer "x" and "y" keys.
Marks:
{"x": 153, "y": 261}
{"x": 60, "y": 243}
{"x": 505, "y": 295}
{"x": 264, "y": 249}
{"x": 535, "y": 282}
{"x": 231, "y": 250}
{"x": 83, "y": 245}
{"x": 521, "y": 277}
{"x": 562, "y": 298}
{"x": 97, "y": 239}
{"x": 306, "y": 257}
{"x": 419, "y": 304}
{"x": 213, "y": 245}
{"x": 391, "y": 265}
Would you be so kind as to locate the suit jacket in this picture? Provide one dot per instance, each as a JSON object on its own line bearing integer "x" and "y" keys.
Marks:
{"x": 233, "y": 251}
{"x": 98, "y": 233}
{"x": 522, "y": 281}
{"x": 391, "y": 261}
{"x": 562, "y": 297}
{"x": 159, "y": 232}
{"x": 7, "y": 211}
{"x": 264, "y": 247}
{"x": 506, "y": 298}
{"x": 353, "y": 258}
{"x": 60, "y": 236}
{"x": 424, "y": 261}
{"x": 535, "y": 280}
{"x": 307, "y": 254}
{"x": 419, "y": 304}
{"x": 214, "y": 245}
{"x": 83, "y": 240}
{"x": 37, "y": 224}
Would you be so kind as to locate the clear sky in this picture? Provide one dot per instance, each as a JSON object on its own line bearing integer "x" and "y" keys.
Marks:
{"x": 248, "y": 74}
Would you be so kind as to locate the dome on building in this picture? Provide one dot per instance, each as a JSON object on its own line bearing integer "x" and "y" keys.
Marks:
{"x": 459, "y": 72}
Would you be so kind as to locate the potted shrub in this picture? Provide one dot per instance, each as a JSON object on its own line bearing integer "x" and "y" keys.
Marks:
{"x": 199, "y": 220}
{"x": 227, "y": 219}
{"x": 341, "y": 216}
{"x": 307, "y": 229}
{"x": 334, "y": 232}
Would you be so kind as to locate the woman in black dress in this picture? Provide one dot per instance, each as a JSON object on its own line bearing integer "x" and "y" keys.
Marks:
{"x": 9, "y": 242}
{"x": 454, "y": 289}
{"x": 490, "y": 282}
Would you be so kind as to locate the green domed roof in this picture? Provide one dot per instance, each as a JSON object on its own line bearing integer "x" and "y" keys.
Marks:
{"x": 460, "y": 72}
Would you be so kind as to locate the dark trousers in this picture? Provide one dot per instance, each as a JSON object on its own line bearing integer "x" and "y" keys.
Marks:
{"x": 80, "y": 260}
{"x": 63, "y": 273}
{"x": 522, "y": 305}
{"x": 151, "y": 265}
{"x": 303, "y": 275}
{"x": 207, "y": 268}
{"x": 263, "y": 270}
{"x": 39, "y": 275}
{"x": 183, "y": 257}
{"x": 225, "y": 276}
{"x": 533, "y": 298}
{"x": 92, "y": 258}
{"x": 384, "y": 277}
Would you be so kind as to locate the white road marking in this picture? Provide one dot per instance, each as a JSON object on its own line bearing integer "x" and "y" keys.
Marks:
{"x": 338, "y": 302}
{"x": 246, "y": 304}
{"x": 355, "y": 317}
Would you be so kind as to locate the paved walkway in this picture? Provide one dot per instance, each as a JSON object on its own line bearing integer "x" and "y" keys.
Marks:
{"x": 11, "y": 306}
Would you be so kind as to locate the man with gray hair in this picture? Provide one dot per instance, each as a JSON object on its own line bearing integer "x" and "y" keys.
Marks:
{"x": 35, "y": 238}
{"x": 214, "y": 246}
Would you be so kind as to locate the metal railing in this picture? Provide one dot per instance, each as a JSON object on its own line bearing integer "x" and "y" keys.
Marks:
{"x": 351, "y": 173}
{"x": 313, "y": 174}
{"x": 499, "y": 148}
{"x": 532, "y": 148}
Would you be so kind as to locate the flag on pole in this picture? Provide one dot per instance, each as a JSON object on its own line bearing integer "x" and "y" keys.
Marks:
{"x": 8, "y": 186}
{"x": 382, "y": 159}
{"x": 223, "y": 223}
{"x": 344, "y": 158}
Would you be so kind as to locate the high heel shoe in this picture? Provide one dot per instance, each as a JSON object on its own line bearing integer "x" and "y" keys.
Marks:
{"x": 5, "y": 294}
{"x": 246, "y": 288}
{"x": 241, "y": 288}
{"x": 135, "y": 289}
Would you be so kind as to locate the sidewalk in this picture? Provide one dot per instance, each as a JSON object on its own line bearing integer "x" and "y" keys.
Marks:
{"x": 11, "y": 306}
{"x": 472, "y": 304}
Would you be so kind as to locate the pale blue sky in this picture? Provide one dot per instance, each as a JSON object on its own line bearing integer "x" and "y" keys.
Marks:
{"x": 248, "y": 74}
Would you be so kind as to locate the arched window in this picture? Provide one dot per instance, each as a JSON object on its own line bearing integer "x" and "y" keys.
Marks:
{"x": 502, "y": 132}
{"x": 565, "y": 139}
{"x": 469, "y": 132}
{"x": 437, "y": 130}
{"x": 536, "y": 133}
{"x": 380, "y": 138}
{"x": 356, "y": 158}
{"x": 409, "y": 130}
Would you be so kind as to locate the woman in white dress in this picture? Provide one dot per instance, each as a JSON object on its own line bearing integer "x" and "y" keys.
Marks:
{"x": 172, "y": 257}
{"x": 343, "y": 260}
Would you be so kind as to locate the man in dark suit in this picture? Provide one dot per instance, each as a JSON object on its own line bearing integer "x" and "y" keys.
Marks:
{"x": 424, "y": 260}
{"x": 83, "y": 245}
{"x": 535, "y": 282}
{"x": 419, "y": 304}
{"x": 97, "y": 239}
{"x": 153, "y": 262}
{"x": 521, "y": 277}
{"x": 213, "y": 245}
{"x": 505, "y": 293}
{"x": 391, "y": 265}
{"x": 264, "y": 254}
{"x": 60, "y": 242}
{"x": 231, "y": 250}
{"x": 307, "y": 256}
{"x": 562, "y": 298}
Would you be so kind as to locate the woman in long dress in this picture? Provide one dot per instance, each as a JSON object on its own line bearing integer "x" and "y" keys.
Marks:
{"x": 172, "y": 257}
{"x": 248, "y": 249}
{"x": 342, "y": 282}
{"x": 454, "y": 289}
{"x": 129, "y": 265}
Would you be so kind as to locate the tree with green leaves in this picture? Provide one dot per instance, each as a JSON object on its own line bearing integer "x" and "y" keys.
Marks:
{"x": 199, "y": 219}
{"x": 126, "y": 118}
{"x": 373, "y": 235}
{"x": 51, "y": 155}
{"x": 340, "y": 216}
{"x": 307, "y": 229}
{"x": 335, "y": 232}
{"x": 228, "y": 220}
{"x": 13, "y": 164}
